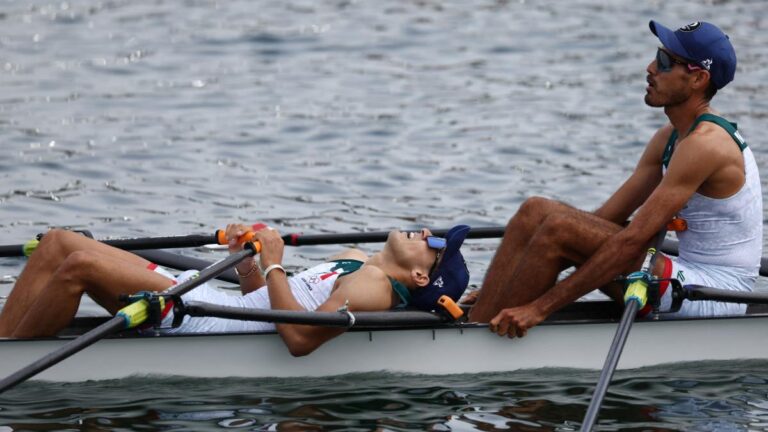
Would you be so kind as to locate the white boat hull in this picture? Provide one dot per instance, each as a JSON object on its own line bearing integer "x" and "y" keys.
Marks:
{"x": 471, "y": 349}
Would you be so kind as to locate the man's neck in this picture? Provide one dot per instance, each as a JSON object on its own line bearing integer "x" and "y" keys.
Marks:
{"x": 384, "y": 261}
{"x": 683, "y": 115}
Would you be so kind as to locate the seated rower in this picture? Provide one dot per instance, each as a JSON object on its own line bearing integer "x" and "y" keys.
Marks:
{"x": 413, "y": 269}
{"x": 696, "y": 167}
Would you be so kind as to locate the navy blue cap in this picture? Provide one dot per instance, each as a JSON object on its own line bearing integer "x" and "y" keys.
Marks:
{"x": 451, "y": 276}
{"x": 705, "y": 45}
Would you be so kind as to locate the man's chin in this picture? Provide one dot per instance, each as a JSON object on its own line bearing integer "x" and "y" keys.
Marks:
{"x": 651, "y": 102}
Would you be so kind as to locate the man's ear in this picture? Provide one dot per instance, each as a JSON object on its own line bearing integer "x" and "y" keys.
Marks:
{"x": 701, "y": 79}
{"x": 420, "y": 277}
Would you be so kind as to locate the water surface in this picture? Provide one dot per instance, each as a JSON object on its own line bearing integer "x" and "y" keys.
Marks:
{"x": 147, "y": 118}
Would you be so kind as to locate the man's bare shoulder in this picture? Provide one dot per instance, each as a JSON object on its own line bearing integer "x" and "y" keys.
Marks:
{"x": 709, "y": 137}
{"x": 355, "y": 254}
{"x": 661, "y": 137}
{"x": 366, "y": 289}
{"x": 368, "y": 278}
{"x": 372, "y": 273}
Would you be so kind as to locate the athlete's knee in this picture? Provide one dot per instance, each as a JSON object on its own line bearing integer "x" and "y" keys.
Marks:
{"x": 58, "y": 243}
{"x": 536, "y": 206}
{"x": 533, "y": 210}
{"x": 76, "y": 268}
{"x": 53, "y": 239}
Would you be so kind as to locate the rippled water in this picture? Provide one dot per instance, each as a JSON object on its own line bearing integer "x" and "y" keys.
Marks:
{"x": 699, "y": 396}
{"x": 134, "y": 118}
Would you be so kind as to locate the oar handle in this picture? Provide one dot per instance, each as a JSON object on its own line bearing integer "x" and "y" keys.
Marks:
{"x": 221, "y": 238}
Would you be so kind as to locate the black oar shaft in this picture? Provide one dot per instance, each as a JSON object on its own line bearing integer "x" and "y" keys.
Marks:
{"x": 611, "y": 361}
{"x": 617, "y": 346}
{"x": 11, "y": 251}
{"x": 212, "y": 271}
{"x": 329, "y": 319}
{"x": 113, "y": 325}
{"x": 669, "y": 246}
{"x": 187, "y": 241}
{"x": 702, "y": 293}
{"x": 183, "y": 262}
{"x": 377, "y": 236}
{"x": 118, "y": 322}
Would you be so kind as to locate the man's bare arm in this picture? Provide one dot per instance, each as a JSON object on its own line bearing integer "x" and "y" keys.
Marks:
{"x": 368, "y": 289}
{"x": 689, "y": 168}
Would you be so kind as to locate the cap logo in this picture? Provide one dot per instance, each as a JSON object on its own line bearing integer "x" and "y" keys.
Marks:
{"x": 690, "y": 27}
{"x": 706, "y": 63}
{"x": 439, "y": 282}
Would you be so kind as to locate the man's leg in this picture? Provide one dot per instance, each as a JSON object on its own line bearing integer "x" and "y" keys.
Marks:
{"x": 103, "y": 277}
{"x": 54, "y": 248}
{"x": 540, "y": 242}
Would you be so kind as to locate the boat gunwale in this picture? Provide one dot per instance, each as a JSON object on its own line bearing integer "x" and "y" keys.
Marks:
{"x": 556, "y": 319}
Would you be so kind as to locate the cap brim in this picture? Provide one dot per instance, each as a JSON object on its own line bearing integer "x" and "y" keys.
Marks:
{"x": 669, "y": 40}
{"x": 454, "y": 239}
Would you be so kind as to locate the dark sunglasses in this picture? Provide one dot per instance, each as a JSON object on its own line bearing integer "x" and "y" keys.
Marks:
{"x": 665, "y": 62}
{"x": 438, "y": 244}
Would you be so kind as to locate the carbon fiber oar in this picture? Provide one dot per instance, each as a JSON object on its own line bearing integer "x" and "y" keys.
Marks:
{"x": 196, "y": 240}
{"x": 296, "y": 239}
{"x": 327, "y": 319}
{"x": 128, "y": 317}
{"x": 193, "y": 240}
{"x": 634, "y": 299}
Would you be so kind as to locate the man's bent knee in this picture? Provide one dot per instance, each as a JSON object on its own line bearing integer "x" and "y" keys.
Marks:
{"x": 57, "y": 241}
{"x": 536, "y": 206}
{"x": 539, "y": 207}
{"x": 76, "y": 267}
{"x": 532, "y": 211}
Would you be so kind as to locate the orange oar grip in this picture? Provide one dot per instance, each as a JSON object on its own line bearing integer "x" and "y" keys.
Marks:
{"x": 221, "y": 238}
{"x": 221, "y": 235}
{"x": 248, "y": 236}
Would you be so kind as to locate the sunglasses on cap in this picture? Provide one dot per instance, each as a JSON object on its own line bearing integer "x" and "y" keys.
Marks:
{"x": 438, "y": 244}
{"x": 665, "y": 62}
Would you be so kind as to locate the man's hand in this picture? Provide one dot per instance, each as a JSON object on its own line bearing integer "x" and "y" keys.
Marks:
{"x": 234, "y": 232}
{"x": 272, "y": 246}
{"x": 515, "y": 322}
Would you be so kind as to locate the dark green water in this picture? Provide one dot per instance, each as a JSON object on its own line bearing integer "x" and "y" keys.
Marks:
{"x": 711, "y": 396}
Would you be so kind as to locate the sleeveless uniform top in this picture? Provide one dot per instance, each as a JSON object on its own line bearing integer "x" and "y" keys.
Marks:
{"x": 311, "y": 288}
{"x": 724, "y": 232}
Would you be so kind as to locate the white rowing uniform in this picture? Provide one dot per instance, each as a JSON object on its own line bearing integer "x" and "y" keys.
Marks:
{"x": 722, "y": 245}
{"x": 311, "y": 288}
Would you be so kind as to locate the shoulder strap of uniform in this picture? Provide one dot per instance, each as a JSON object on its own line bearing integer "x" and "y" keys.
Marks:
{"x": 729, "y": 127}
{"x": 402, "y": 292}
{"x": 669, "y": 149}
{"x": 346, "y": 266}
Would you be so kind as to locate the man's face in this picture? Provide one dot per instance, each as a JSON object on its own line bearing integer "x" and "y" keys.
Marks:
{"x": 668, "y": 80}
{"x": 417, "y": 246}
